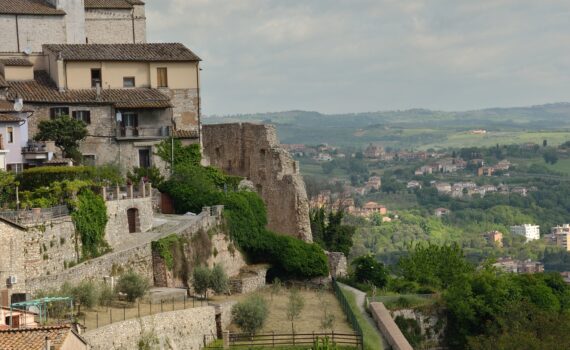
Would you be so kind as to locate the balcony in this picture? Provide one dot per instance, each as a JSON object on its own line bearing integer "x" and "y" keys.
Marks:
{"x": 35, "y": 151}
{"x": 142, "y": 133}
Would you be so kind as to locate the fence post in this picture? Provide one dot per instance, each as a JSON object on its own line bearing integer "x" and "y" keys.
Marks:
{"x": 226, "y": 339}
{"x": 184, "y": 302}
{"x": 97, "y": 322}
{"x": 139, "y": 308}
{"x": 172, "y": 303}
{"x": 150, "y": 306}
{"x": 110, "y": 315}
{"x": 193, "y": 301}
{"x": 161, "y": 304}
{"x": 273, "y": 332}
{"x": 124, "y": 313}
{"x": 293, "y": 336}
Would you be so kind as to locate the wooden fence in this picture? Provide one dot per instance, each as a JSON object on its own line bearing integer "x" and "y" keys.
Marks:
{"x": 296, "y": 339}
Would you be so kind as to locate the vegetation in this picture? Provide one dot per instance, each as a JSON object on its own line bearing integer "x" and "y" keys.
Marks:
{"x": 250, "y": 314}
{"x": 329, "y": 232}
{"x": 219, "y": 281}
{"x": 90, "y": 219}
{"x": 132, "y": 285}
{"x": 368, "y": 270}
{"x": 151, "y": 175}
{"x": 66, "y": 132}
{"x": 201, "y": 280}
{"x": 372, "y": 340}
{"x": 295, "y": 305}
{"x": 192, "y": 187}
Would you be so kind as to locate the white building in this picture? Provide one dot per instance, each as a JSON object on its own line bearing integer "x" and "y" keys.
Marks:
{"x": 531, "y": 232}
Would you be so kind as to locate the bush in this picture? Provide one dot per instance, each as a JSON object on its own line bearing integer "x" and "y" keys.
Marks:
{"x": 368, "y": 270}
{"x": 151, "y": 174}
{"x": 201, "y": 280}
{"x": 106, "y": 295}
{"x": 192, "y": 188}
{"x": 132, "y": 285}
{"x": 250, "y": 314}
{"x": 219, "y": 281}
{"x": 85, "y": 293}
{"x": 44, "y": 176}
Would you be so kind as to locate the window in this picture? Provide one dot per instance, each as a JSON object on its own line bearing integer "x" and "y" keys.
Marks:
{"x": 84, "y": 116}
{"x": 130, "y": 119}
{"x": 10, "y": 134}
{"x": 129, "y": 82}
{"x": 144, "y": 158}
{"x": 15, "y": 167}
{"x": 57, "y": 112}
{"x": 95, "y": 77}
{"x": 162, "y": 77}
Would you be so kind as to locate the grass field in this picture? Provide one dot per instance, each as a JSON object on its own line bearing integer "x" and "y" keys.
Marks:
{"x": 372, "y": 340}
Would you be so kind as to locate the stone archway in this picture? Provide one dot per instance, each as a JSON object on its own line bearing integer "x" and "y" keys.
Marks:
{"x": 133, "y": 220}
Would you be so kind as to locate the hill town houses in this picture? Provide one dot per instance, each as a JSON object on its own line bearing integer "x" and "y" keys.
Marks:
{"x": 89, "y": 59}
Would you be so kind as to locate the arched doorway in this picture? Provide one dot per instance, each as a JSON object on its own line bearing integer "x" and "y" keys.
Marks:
{"x": 133, "y": 219}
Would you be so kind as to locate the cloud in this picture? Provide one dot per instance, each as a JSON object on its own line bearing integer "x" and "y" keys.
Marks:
{"x": 358, "y": 55}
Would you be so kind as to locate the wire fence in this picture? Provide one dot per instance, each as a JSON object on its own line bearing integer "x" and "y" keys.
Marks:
{"x": 93, "y": 319}
{"x": 350, "y": 316}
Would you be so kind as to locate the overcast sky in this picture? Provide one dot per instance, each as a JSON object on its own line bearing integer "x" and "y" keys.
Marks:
{"x": 337, "y": 56}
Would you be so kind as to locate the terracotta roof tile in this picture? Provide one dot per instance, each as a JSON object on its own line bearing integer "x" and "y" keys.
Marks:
{"x": 168, "y": 52}
{"x": 16, "y": 62}
{"x": 42, "y": 90}
{"x": 7, "y": 118}
{"x": 28, "y": 7}
{"x": 8, "y": 107}
{"x": 33, "y": 338}
{"x": 185, "y": 134}
{"x": 3, "y": 82}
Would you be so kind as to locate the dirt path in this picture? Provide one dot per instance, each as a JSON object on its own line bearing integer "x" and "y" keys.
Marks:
{"x": 360, "y": 300}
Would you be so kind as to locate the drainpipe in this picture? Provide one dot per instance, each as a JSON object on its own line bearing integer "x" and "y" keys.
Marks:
{"x": 133, "y": 24}
{"x": 17, "y": 33}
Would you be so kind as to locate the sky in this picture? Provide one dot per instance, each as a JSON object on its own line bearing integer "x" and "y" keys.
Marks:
{"x": 344, "y": 56}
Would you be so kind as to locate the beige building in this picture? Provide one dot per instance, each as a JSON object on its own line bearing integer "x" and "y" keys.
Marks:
{"x": 42, "y": 338}
{"x": 560, "y": 235}
{"x": 131, "y": 96}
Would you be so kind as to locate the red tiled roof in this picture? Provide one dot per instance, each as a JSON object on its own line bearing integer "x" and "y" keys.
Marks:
{"x": 108, "y": 4}
{"x": 185, "y": 134}
{"x": 157, "y": 52}
{"x": 6, "y": 118}
{"x": 43, "y": 90}
{"x": 8, "y": 107}
{"x": 29, "y": 7}
{"x": 35, "y": 338}
{"x": 16, "y": 62}
{"x": 3, "y": 82}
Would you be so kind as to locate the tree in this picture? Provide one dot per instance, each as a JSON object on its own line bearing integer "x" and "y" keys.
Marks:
{"x": 132, "y": 285}
{"x": 368, "y": 270}
{"x": 201, "y": 277}
{"x": 250, "y": 314}
{"x": 8, "y": 185}
{"x": 219, "y": 281}
{"x": 66, "y": 132}
{"x": 295, "y": 305}
{"x": 550, "y": 156}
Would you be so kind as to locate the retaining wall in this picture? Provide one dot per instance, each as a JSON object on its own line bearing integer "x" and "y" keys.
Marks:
{"x": 388, "y": 327}
{"x": 184, "y": 329}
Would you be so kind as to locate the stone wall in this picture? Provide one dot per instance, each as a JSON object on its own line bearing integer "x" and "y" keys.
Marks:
{"x": 36, "y": 251}
{"x": 388, "y": 327}
{"x": 253, "y": 151}
{"x": 338, "y": 266}
{"x": 117, "y": 229}
{"x": 138, "y": 259}
{"x": 115, "y": 26}
{"x": 250, "y": 279}
{"x": 33, "y": 31}
{"x": 186, "y": 110}
{"x": 183, "y": 329}
{"x": 50, "y": 248}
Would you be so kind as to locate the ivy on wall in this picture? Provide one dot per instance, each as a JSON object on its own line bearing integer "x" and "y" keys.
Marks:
{"x": 90, "y": 218}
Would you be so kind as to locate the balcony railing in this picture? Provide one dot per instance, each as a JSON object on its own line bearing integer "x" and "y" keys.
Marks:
{"x": 143, "y": 132}
{"x": 34, "y": 215}
{"x": 34, "y": 147}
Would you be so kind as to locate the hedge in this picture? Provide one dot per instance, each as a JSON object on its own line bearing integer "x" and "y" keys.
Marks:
{"x": 43, "y": 176}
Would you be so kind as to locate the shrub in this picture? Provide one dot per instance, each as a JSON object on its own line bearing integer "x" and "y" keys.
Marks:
{"x": 219, "y": 281}
{"x": 201, "y": 277}
{"x": 85, "y": 292}
{"x": 90, "y": 219}
{"x": 106, "y": 295}
{"x": 250, "y": 314}
{"x": 132, "y": 285}
{"x": 44, "y": 176}
{"x": 152, "y": 174}
{"x": 367, "y": 269}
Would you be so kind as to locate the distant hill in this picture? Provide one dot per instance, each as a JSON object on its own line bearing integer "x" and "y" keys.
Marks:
{"x": 413, "y": 128}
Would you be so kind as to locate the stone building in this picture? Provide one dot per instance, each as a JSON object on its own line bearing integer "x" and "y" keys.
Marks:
{"x": 25, "y": 25}
{"x": 131, "y": 96}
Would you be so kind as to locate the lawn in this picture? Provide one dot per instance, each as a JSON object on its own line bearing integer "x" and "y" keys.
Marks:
{"x": 372, "y": 340}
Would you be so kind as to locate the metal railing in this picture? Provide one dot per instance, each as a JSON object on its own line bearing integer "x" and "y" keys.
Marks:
{"x": 34, "y": 215}
{"x": 350, "y": 316}
{"x": 130, "y": 131}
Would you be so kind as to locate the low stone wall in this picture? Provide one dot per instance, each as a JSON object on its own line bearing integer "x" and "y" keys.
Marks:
{"x": 225, "y": 312}
{"x": 338, "y": 265}
{"x": 138, "y": 259}
{"x": 388, "y": 327}
{"x": 184, "y": 329}
{"x": 249, "y": 280}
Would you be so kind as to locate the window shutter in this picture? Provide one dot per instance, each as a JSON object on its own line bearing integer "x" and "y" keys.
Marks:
{"x": 87, "y": 117}
{"x": 74, "y": 114}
